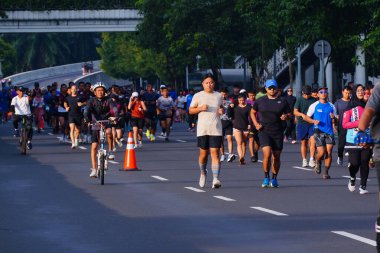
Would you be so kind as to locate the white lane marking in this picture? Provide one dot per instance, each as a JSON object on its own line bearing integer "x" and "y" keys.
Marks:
{"x": 113, "y": 162}
{"x": 301, "y": 168}
{"x": 160, "y": 178}
{"x": 268, "y": 211}
{"x": 358, "y": 178}
{"x": 181, "y": 141}
{"x": 50, "y": 134}
{"x": 162, "y": 137}
{"x": 356, "y": 237}
{"x": 194, "y": 189}
{"x": 224, "y": 198}
{"x": 81, "y": 147}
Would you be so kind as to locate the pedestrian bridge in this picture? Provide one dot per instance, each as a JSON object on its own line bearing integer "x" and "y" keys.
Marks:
{"x": 118, "y": 20}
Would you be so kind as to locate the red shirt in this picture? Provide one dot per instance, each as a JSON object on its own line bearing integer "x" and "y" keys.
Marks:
{"x": 137, "y": 110}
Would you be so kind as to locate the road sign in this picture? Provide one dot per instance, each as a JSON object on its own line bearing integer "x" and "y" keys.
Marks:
{"x": 322, "y": 49}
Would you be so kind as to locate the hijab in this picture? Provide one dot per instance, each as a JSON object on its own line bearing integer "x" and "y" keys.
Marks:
{"x": 355, "y": 101}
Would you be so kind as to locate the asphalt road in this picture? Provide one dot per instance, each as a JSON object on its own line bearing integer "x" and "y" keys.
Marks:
{"x": 49, "y": 204}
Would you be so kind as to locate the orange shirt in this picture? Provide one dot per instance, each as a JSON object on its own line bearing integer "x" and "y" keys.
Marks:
{"x": 137, "y": 110}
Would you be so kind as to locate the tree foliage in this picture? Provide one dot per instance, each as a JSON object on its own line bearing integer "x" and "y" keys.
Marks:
{"x": 8, "y": 57}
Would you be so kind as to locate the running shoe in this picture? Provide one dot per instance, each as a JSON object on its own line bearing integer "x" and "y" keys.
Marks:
{"x": 114, "y": 149}
{"x": 29, "y": 145}
{"x": 166, "y": 139}
{"x": 294, "y": 141}
{"x": 254, "y": 158}
{"x": 304, "y": 163}
{"x": 222, "y": 157}
{"x": 351, "y": 184}
{"x": 111, "y": 156}
{"x": 162, "y": 134}
{"x": 216, "y": 183}
{"x": 346, "y": 154}
{"x": 152, "y": 138}
{"x": 147, "y": 134}
{"x": 317, "y": 168}
{"x": 202, "y": 180}
{"x": 76, "y": 142}
{"x": 339, "y": 161}
{"x": 274, "y": 183}
{"x": 363, "y": 190}
{"x": 72, "y": 145}
{"x": 242, "y": 161}
{"x": 140, "y": 144}
{"x": 326, "y": 176}
{"x": 312, "y": 163}
{"x": 93, "y": 173}
{"x": 230, "y": 158}
{"x": 265, "y": 183}
{"x": 16, "y": 133}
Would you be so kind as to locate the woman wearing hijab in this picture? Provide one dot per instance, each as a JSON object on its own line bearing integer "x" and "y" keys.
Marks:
{"x": 358, "y": 157}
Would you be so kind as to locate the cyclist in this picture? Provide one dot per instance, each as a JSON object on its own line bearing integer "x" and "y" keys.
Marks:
{"x": 98, "y": 108}
{"x": 21, "y": 108}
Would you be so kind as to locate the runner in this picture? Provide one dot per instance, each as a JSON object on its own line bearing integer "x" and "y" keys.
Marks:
{"x": 304, "y": 129}
{"x": 341, "y": 106}
{"x": 323, "y": 114}
{"x": 62, "y": 113}
{"x": 150, "y": 99}
{"x": 20, "y": 107}
{"x": 208, "y": 105}
{"x": 165, "y": 106}
{"x": 180, "y": 104}
{"x": 227, "y": 128}
{"x": 240, "y": 123}
{"x": 73, "y": 105}
{"x": 358, "y": 158}
{"x": 98, "y": 108}
{"x": 137, "y": 108}
{"x": 273, "y": 111}
{"x": 192, "y": 118}
{"x": 290, "y": 131}
{"x": 253, "y": 137}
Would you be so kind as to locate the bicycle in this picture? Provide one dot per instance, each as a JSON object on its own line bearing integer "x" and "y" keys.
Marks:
{"x": 25, "y": 120}
{"x": 102, "y": 152}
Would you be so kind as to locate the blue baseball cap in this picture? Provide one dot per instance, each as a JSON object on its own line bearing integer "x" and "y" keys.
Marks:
{"x": 270, "y": 83}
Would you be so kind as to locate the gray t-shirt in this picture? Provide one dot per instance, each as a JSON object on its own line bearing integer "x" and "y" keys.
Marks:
{"x": 374, "y": 103}
{"x": 341, "y": 106}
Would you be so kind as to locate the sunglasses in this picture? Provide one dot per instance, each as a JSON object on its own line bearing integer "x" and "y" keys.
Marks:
{"x": 290, "y": 90}
{"x": 323, "y": 92}
{"x": 271, "y": 88}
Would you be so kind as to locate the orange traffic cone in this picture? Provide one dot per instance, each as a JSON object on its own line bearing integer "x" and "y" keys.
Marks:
{"x": 130, "y": 157}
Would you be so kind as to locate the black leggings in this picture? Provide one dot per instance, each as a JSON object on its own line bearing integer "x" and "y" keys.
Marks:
{"x": 360, "y": 159}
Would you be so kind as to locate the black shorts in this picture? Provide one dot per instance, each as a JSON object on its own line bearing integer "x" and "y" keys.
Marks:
{"x": 76, "y": 120}
{"x": 137, "y": 122}
{"x": 275, "y": 141}
{"x": 63, "y": 114}
{"x": 322, "y": 139}
{"x": 209, "y": 141}
{"x": 227, "y": 127}
{"x": 150, "y": 116}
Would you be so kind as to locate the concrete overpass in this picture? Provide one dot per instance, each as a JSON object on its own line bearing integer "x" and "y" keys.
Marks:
{"x": 118, "y": 20}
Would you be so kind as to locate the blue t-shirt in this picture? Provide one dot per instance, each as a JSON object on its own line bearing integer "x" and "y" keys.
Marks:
{"x": 189, "y": 97}
{"x": 321, "y": 111}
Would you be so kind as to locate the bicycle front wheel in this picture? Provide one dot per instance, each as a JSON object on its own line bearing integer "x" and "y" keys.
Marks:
{"x": 24, "y": 138}
{"x": 101, "y": 168}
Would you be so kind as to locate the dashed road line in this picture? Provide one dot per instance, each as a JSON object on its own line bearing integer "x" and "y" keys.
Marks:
{"x": 181, "y": 141}
{"x": 162, "y": 137}
{"x": 355, "y": 237}
{"x": 113, "y": 162}
{"x": 81, "y": 147}
{"x": 301, "y": 168}
{"x": 194, "y": 189}
{"x": 160, "y": 178}
{"x": 268, "y": 211}
{"x": 224, "y": 198}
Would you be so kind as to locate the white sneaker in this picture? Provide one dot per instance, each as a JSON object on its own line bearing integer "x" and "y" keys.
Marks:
{"x": 231, "y": 157}
{"x": 111, "y": 157}
{"x": 351, "y": 187}
{"x": 140, "y": 144}
{"x": 222, "y": 158}
{"x": 93, "y": 173}
{"x": 363, "y": 190}
{"x": 202, "y": 180}
{"x": 339, "y": 161}
{"x": 346, "y": 154}
{"x": 114, "y": 149}
{"x": 304, "y": 163}
{"x": 135, "y": 146}
{"x": 162, "y": 134}
{"x": 216, "y": 183}
{"x": 73, "y": 146}
{"x": 76, "y": 143}
{"x": 312, "y": 163}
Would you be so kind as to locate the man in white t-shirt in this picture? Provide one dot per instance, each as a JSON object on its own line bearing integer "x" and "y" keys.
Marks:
{"x": 21, "y": 108}
{"x": 208, "y": 105}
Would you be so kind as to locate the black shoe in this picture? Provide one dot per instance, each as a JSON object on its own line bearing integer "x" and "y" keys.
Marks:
{"x": 29, "y": 145}
{"x": 167, "y": 139}
{"x": 254, "y": 159}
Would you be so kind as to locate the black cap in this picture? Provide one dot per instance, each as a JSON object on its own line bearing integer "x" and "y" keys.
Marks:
{"x": 322, "y": 88}
{"x": 306, "y": 89}
{"x": 19, "y": 88}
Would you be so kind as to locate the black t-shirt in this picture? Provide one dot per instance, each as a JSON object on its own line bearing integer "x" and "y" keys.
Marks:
{"x": 150, "y": 101}
{"x": 75, "y": 110}
{"x": 270, "y": 112}
{"x": 240, "y": 117}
